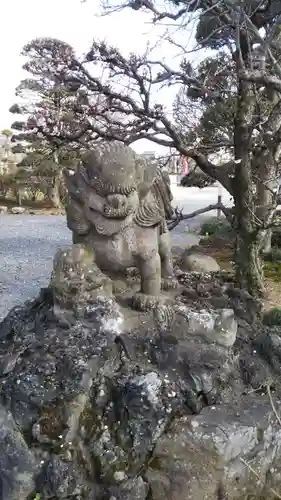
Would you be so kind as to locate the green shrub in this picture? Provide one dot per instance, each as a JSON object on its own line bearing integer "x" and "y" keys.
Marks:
{"x": 276, "y": 237}
{"x": 272, "y": 264}
{"x": 215, "y": 226}
{"x": 274, "y": 255}
{"x": 272, "y": 270}
{"x": 197, "y": 179}
{"x": 272, "y": 317}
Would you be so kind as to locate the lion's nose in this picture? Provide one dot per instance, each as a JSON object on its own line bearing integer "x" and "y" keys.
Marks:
{"x": 116, "y": 200}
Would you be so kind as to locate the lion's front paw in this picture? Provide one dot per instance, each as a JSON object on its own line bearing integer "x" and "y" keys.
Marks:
{"x": 170, "y": 283}
{"x": 143, "y": 302}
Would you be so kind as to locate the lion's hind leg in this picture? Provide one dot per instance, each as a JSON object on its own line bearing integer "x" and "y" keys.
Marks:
{"x": 168, "y": 281}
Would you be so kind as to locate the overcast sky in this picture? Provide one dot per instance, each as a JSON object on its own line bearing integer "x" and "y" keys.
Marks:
{"x": 69, "y": 20}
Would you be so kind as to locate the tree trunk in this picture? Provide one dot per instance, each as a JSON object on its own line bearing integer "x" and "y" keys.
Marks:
{"x": 266, "y": 206}
{"x": 16, "y": 193}
{"x": 19, "y": 196}
{"x": 249, "y": 270}
{"x": 247, "y": 255}
{"x": 248, "y": 264}
{"x": 253, "y": 208}
{"x": 54, "y": 191}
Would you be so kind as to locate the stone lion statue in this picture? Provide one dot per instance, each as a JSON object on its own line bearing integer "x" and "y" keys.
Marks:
{"x": 118, "y": 206}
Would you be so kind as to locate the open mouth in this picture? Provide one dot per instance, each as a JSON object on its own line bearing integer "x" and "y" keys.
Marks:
{"x": 113, "y": 213}
{"x": 116, "y": 213}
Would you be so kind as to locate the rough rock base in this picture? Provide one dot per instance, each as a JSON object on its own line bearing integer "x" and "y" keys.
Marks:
{"x": 169, "y": 404}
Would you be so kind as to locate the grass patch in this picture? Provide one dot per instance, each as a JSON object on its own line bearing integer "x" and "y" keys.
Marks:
{"x": 272, "y": 317}
{"x": 272, "y": 264}
{"x": 274, "y": 255}
{"x": 272, "y": 270}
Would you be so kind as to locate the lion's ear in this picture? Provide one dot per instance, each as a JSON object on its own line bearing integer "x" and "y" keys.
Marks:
{"x": 91, "y": 162}
{"x": 145, "y": 175}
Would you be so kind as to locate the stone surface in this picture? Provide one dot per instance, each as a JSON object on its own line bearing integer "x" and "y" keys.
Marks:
{"x": 121, "y": 404}
{"x": 76, "y": 281}
{"x": 18, "y": 465}
{"x": 198, "y": 262}
{"x": 218, "y": 453}
{"x": 216, "y": 290}
{"x": 219, "y": 326}
{"x": 22, "y": 273}
{"x": 17, "y": 210}
{"x": 118, "y": 207}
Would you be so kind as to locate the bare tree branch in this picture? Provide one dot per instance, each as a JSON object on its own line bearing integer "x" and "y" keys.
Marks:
{"x": 179, "y": 216}
{"x": 261, "y": 78}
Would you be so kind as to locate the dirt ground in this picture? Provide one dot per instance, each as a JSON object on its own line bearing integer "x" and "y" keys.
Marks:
{"x": 224, "y": 258}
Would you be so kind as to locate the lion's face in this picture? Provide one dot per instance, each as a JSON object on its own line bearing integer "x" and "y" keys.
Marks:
{"x": 107, "y": 187}
{"x": 113, "y": 181}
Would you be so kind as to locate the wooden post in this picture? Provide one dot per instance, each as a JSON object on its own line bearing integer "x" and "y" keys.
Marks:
{"x": 219, "y": 201}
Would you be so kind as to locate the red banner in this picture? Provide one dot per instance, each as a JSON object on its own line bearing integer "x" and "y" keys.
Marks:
{"x": 185, "y": 166}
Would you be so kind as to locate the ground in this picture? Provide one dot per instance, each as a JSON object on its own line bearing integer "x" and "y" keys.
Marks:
{"x": 223, "y": 256}
{"x": 273, "y": 294}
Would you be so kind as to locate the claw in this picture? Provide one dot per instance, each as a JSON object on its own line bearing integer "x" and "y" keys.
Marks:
{"x": 143, "y": 302}
{"x": 169, "y": 283}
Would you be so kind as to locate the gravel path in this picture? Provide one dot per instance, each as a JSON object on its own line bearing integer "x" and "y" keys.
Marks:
{"x": 27, "y": 247}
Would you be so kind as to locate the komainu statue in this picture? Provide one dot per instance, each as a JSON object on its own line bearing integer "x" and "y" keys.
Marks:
{"x": 118, "y": 206}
